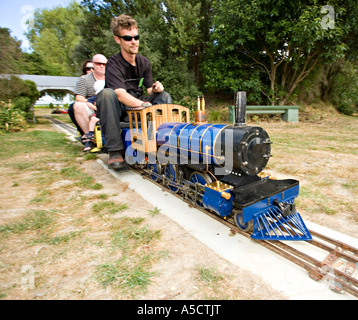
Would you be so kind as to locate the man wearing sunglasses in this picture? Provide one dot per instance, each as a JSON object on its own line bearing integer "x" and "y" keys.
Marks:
{"x": 85, "y": 89}
{"x": 126, "y": 74}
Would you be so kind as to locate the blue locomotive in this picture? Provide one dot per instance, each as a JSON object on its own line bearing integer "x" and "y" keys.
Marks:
{"x": 216, "y": 166}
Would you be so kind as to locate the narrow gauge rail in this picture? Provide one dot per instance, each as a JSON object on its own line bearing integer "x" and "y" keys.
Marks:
{"x": 339, "y": 268}
{"x": 72, "y": 130}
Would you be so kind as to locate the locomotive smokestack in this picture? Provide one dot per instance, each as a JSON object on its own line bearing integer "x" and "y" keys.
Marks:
{"x": 240, "y": 108}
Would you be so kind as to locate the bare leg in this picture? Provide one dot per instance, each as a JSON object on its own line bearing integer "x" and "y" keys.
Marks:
{"x": 81, "y": 116}
{"x": 92, "y": 123}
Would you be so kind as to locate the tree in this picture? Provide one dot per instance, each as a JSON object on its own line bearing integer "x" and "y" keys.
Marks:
{"x": 23, "y": 94}
{"x": 11, "y": 56}
{"x": 275, "y": 45}
{"x": 34, "y": 64}
{"x": 188, "y": 24}
{"x": 341, "y": 86}
{"x": 54, "y": 37}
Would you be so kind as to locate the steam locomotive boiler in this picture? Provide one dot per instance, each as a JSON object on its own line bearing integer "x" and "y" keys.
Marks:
{"x": 216, "y": 166}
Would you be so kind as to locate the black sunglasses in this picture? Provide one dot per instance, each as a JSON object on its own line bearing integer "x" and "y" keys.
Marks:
{"x": 89, "y": 68}
{"x": 129, "y": 38}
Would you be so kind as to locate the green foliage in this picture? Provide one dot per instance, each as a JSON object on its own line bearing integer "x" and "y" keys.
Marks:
{"x": 179, "y": 82}
{"x": 275, "y": 43}
{"x": 215, "y": 116}
{"x": 227, "y": 75}
{"x": 335, "y": 83}
{"x": 22, "y": 103}
{"x": 14, "y": 61}
{"x": 34, "y": 64}
{"x": 11, "y": 56}
{"x": 22, "y": 95}
{"x": 54, "y": 38}
{"x": 35, "y": 220}
{"x": 344, "y": 93}
{"x": 11, "y": 119}
{"x": 12, "y": 87}
{"x": 183, "y": 19}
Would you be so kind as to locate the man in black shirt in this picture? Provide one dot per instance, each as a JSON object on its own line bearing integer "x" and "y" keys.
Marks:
{"x": 126, "y": 74}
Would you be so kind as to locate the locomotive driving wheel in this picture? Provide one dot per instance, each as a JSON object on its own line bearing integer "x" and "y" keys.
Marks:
{"x": 201, "y": 178}
{"x": 170, "y": 171}
{"x": 239, "y": 221}
{"x": 156, "y": 168}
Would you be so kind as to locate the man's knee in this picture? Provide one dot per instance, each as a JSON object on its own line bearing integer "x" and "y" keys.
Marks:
{"x": 78, "y": 107}
{"x": 107, "y": 93}
{"x": 107, "y": 98}
{"x": 163, "y": 97}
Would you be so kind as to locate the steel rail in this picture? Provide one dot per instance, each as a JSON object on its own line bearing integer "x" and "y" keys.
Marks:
{"x": 66, "y": 126}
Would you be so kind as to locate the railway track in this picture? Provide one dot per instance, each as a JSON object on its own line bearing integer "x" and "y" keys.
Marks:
{"x": 339, "y": 267}
{"x": 67, "y": 127}
{"x": 333, "y": 261}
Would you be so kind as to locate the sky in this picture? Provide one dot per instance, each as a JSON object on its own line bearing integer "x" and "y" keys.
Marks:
{"x": 13, "y": 15}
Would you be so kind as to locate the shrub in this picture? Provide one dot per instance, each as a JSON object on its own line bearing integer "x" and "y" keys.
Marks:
{"x": 23, "y": 94}
{"x": 345, "y": 88}
{"x": 11, "y": 119}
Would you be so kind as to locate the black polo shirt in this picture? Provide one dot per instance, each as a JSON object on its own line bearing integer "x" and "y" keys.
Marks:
{"x": 121, "y": 74}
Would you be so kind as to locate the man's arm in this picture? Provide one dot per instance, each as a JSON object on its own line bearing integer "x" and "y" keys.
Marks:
{"x": 80, "y": 98}
{"x": 156, "y": 88}
{"x": 127, "y": 99}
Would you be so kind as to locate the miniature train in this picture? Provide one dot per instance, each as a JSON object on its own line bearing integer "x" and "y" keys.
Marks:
{"x": 216, "y": 166}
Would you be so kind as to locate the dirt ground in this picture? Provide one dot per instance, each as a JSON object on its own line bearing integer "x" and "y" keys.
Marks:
{"x": 67, "y": 271}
